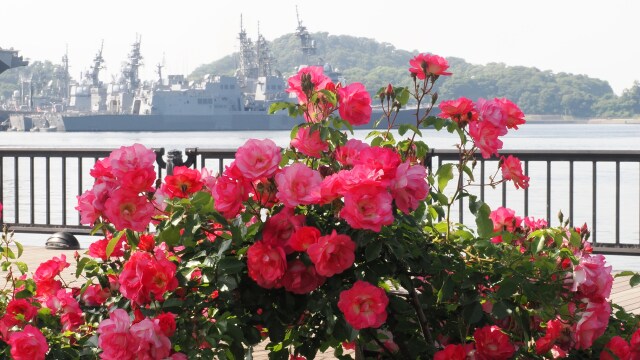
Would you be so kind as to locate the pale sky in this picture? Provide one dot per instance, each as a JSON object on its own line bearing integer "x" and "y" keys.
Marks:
{"x": 592, "y": 37}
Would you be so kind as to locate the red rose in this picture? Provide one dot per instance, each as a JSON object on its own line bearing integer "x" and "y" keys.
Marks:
{"x": 355, "y": 104}
{"x": 453, "y": 352}
{"x": 183, "y": 182}
{"x": 17, "y": 307}
{"x": 617, "y": 348}
{"x": 167, "y": 323}
{"x": 300, "y": 278}
{"x": 364, "y": 305}
{"x": 266, "y": 264}
{"x": 493, "y": 344}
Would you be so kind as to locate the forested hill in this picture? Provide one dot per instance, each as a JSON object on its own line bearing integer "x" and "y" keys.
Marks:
{"x": 377, "y": 64}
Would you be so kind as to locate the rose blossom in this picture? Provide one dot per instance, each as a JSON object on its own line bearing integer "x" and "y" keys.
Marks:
{"x": 266, "y": 264}
{"x": 95, "y": 295}
{"x": 512, "y": 170}
{"x": 453, "y": 352}
{"x": 317, "y": 79}
{"x": 514, "y": 116}
{"x": 167, "y": 323}
{"x": 138, "y": 180}
{"x": 229, "y": 193}
{"x": 492, "y": 344}
{"x": 279, "y": 228}
{"x": 98, "y": 248}
{"x": 152, "y": 342}
{"x": 485, "y": 136}
{"x": 183, "y": 182}
{"x": 368, "y": 206}
{"x": 409, "y": 186}
{"x": 592, "y": 324}
{"x": 304, "y": 237}
{"x": 300, "y": 278}
{"x": 128, "y": 210}
{"x": 347, "y": 153}
{"x": 332, "y": 254}
{"x": 379, "y": 158}
{"x": 130, "y": 158}
{"x": 298, "y": 184}
{"x": 28, "y": 344}
{"x": 146, "y": 277}
{"x": 309, "y": 142}
{"x": 258, "y": 158}
{"x": 461, "y": 110}
{"x": 616, "y": 349}
{"x": 114, "y": 338}
{"x": 491, "y": 111}
{"x": 553, "y": 332}
{"x": 364, "y": 305}
{"x": 50, "y": 268}
{"x": 355, "y": 104}
{"x": 17, "y": 307}
{"x": 592, "y": 278}
{"x": 88, "y": 212}
{"x": 433, "y": 64}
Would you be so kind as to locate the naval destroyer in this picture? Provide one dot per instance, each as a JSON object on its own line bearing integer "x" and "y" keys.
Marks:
{"x": 215, "y": 103}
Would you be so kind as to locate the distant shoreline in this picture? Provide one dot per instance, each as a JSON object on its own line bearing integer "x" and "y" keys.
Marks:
{"x": 563, "y": 119}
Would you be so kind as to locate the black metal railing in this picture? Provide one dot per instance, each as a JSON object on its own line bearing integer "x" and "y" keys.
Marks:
{"x": 38, "y": 187}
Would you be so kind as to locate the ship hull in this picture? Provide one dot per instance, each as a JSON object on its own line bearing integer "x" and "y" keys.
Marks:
{"x": 223, "y": 122}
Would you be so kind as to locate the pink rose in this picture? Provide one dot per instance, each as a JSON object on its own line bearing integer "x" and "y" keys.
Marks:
{"x": 409, "y": 186}
{"x": 378, "y": 158}
{"x": 368, "y": 206}
{"x": 433, "y": 64}
{"x": 266, "y": 264}
{"x": 461, "y": 110}
{"x": 354, "y": 104}
{"x": 95, "y": 295}
{"x": 553, "y": 332}
{"x": 128, "y": 210}
{"x": 152, "y": 342}
{"x": 592, "y": 278}
{"x": 300, "y": 278}
{"x": 364, "y": 305}
{"x": 309, "y": 143}
{"x": 138, "y": 180}
{"x": 332, "y": 254}
{"x": 229, "y": 193}
{"x": 183, "y": 182}
{"x": 592, "y": 324}
{"x": 512, "y": 170}
{"x": 493, "y": 344}
{"x": 616, "y": 349}
{"x": 504, "y": 219}
{"x": 101, "y": 171}
{"x": 485, "y": 136}
{"x": 298, "y": 185}
{"x": 114, "y": 338}
{"x": 131, "y": 158}
{"x": 491, "y": 111}
{"x": 316, "y": 77}
{"x": 146, "y": 277}
{"x": 347, "y": 153}
{"x": 88, "y": 212}
{"x": 258, "y": 158}
{"x": 28, "y": 344}
{"x": 332, "y": 187}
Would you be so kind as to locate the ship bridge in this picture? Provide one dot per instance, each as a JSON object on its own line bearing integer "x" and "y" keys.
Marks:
{"x": 9, "y": 59}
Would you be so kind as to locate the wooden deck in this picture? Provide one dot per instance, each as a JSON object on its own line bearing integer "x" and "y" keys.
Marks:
{"x": 622, "y": 293}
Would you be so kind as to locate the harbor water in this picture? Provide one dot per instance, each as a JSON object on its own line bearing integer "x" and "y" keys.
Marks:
{"x": 529, "y": 137}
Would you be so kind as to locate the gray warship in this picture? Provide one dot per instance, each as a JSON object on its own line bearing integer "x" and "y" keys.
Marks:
{"x": 214, "y": 103}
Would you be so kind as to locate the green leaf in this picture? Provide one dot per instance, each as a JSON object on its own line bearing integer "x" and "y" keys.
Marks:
{"x": 468, "y": 171}
{"x": 473, "y": 313}
{"x": 484, "y": 223}
{"x": 20, "y": 248}
{"x": 277, "y": 106}
{"x": 635, "y": 280}
{"x": 230, "y": 265}
{"x": 402, "y": 95}
{"x": 624, "y": 273}
{"x": 22, "y": 267}
{"x": 112, "y": 243}
{"x": 372, "y": 251}
{"x": 8, "y": 252}
{"x": 445, "y": 174}
{"x": 81, "y": 264}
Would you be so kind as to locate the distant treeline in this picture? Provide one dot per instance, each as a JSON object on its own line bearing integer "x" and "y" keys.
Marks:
{"x": 377, "y": 64}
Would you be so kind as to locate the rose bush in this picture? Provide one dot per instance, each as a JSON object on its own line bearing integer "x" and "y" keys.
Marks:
{"x": 331, "y": 243}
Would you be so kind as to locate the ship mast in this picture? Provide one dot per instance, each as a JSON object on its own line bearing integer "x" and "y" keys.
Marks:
{"x": 130, "y": 71}
{"x": 308, "y": 45}
{"x": 97, "y": 66}
{"x": 265, "y": 60}
{"x": 248, "y": 68}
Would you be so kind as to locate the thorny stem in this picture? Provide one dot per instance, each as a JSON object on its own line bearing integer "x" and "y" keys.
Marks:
{"x": 422, "y": 318}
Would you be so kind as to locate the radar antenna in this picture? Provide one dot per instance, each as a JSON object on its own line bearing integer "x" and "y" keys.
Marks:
{"x": 308, "y": 45}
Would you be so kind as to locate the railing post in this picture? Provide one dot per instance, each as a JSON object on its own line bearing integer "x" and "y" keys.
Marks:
{"x": 174, "y": 158}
